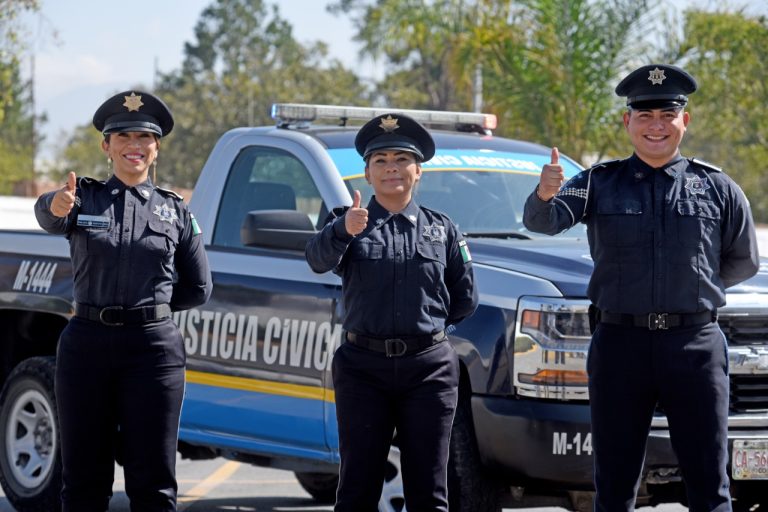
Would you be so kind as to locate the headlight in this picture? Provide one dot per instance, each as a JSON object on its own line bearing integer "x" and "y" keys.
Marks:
{"x": 551, "y": 342}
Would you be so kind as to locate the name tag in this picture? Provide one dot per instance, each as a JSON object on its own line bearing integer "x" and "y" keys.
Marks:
{"x": 93, "y": 221}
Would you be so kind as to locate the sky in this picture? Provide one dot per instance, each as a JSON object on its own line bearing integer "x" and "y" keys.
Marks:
{"x": 87, "y": 50}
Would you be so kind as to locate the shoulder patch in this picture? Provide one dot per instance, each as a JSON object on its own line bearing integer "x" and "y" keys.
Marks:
{"x": 169, "y": 193}
{"x": 706, "y": 165}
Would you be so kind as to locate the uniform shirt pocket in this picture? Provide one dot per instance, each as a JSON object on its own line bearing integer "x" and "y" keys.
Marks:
{"x": 431, "y": 258}
{"x": 100, "y": 240}
{"x": 618, "y": 223}
{"x": 367, "y": 259}
{"x": 160, "y": 238}
{"x": 697, "y": 220}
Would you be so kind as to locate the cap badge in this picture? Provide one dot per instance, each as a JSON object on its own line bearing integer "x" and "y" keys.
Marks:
{"x": 434, "y": 233}
{"x": 656, "y": 76}
{"x": 389, "y": 124}
{"x": 133, "y": 103}
{"x": 166, "y": 214}
{"x": 696, "y": 185}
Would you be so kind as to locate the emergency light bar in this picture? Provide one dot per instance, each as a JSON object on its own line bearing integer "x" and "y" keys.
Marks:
{"x": 295, "y": 113}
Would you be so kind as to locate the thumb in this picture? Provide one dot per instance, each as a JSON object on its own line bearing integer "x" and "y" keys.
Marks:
{"x": 555, "y": 156}
{"x": 356, "y": 200}
{"x": 71, "y": 182}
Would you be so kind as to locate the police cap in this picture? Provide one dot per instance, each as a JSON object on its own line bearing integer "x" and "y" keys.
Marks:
{"x": 134, "y": 111}
{"x": 394, "y": 132}
{"x": 657, "y": 86}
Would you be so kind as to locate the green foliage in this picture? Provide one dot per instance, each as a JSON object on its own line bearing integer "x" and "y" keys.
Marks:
{"x": 726, "y": 51}
{"x": 82, "y": 155}
{"x": 18, "y": 141}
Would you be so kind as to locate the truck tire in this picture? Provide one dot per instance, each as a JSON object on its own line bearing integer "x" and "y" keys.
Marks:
{"x": 30, "y": 461}
{"x": 321, "y": 486}
{"x": 470, "y": 488}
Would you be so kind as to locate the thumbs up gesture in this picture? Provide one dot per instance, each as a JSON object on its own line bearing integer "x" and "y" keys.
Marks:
{"x": 356, "y": 218}
{"x": 64, "y": 198}
{"x": 552, "y": 178}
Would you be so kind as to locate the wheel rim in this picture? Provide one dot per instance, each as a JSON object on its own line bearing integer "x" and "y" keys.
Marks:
{"x": 30, "y": 439}
{"x": 392, "y": 497}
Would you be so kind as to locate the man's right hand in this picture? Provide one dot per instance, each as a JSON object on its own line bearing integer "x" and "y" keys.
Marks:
{"x": 64, "y": 198}
{"x": 356, "y": 218}
{"x": 552, "y": 178}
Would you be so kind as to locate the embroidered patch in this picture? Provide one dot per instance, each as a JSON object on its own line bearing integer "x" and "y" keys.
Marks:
{"x": 195, "y": 226}
{"x": 696, "y": 185}
{"x": 165, "y": 213}
{"x": 435, "y": 233}
{"x": 464, "y": 248}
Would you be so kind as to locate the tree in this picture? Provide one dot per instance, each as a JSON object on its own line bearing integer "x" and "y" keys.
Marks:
{"x": 726, "y": 52}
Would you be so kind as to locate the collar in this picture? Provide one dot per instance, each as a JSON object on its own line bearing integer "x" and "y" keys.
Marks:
{"x": 641, "y": 169}
{"x": 379, "y": 215}
{"x": 143, "y": 190}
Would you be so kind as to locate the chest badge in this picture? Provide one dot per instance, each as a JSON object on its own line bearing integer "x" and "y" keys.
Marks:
{"x": 434, "y": 233}
{"x": 166, "y": 214}
{"x": 696, "y": 185}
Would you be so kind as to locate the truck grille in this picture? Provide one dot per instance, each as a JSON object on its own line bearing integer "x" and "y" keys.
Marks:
{"x": 745, "y": 330}
{"x": 749, "y": 393}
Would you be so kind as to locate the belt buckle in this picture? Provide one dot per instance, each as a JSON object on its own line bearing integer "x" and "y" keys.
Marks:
{"x": 657, "y": 321}
{"x": 107, "y": 309}
{"x": 395, "y": 347}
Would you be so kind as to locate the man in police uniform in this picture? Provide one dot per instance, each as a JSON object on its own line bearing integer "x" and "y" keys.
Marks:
{"x": 406, "y": 276}
{"x": 137, "y": 256}
{"x": 667, "y": 235}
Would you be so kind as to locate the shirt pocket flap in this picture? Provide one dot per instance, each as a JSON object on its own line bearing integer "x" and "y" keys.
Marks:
{"x": 367, "y": 250}
{"x": 430, "y": 251}
{"x": 698, "y": 208}
{"x": 162, "y": 227}
{"x": 623, "y": 207}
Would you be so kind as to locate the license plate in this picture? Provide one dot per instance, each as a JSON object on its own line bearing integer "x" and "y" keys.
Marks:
{"x": 749, "y": 459}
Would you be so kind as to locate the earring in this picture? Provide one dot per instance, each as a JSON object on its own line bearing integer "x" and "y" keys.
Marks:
{"x": 154, "y": 171}
{"x": 109, "y": 163}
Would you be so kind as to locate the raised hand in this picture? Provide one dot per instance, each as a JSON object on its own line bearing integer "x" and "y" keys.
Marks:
{"x": 356, "y": 218}
{"x": 552, "y": 178}
{"x": 64, "y": 198}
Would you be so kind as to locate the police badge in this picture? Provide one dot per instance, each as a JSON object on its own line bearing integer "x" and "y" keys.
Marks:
{"x": 165, "y": 213}
{"x": 435, "y": 233}
{"x": 697, "y": 185}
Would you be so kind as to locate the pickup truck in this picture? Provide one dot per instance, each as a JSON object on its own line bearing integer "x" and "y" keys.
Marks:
{"x": 259, "y": 352}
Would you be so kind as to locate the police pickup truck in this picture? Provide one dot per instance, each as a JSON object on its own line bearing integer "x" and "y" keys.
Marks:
{"x": 259, "y": 352}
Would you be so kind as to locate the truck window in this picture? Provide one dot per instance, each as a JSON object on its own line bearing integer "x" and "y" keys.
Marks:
{"x": 264, "y": 178}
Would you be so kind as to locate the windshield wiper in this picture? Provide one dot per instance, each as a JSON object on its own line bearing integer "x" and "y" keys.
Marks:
{"x": 498, "y": 234}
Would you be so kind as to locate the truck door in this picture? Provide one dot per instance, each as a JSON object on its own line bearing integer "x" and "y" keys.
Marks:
{"x": 259, "y": 352}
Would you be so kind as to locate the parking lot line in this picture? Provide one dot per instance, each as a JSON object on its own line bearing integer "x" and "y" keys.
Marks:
{"x": 203, "y": 488}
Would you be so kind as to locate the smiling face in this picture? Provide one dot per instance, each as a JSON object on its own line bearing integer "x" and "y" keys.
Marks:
{"x": 393, "y": 174}
{"x": 132, "y": 154}
{"x": 656, "y": 134}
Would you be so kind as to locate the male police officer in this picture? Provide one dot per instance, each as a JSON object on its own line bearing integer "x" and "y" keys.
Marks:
{"x": 667, "y": 235}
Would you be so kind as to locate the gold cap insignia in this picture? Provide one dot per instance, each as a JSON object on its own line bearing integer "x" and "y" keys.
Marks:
{"x": 389, "y": 124}
{"x": 656, "y": 76}
{"x": 132, "y": 102}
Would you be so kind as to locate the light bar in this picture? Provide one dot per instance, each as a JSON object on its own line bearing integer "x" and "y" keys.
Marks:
{"x": 290, "y": 113}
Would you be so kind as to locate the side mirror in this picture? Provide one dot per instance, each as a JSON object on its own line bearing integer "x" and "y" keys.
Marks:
{"x": 277, "y": 229}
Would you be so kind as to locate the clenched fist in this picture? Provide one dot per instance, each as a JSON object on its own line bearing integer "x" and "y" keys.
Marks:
{"x": 356, "y": 218}
{"x": 64, "y": 199}
{"x": 552, "y": 178}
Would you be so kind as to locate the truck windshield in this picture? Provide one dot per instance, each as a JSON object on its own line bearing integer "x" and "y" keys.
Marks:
{"x": 483, "y": 192}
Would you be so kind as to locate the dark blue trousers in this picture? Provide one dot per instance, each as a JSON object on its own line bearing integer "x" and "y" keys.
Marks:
{"x": 128, "y": 379}
{"x": 685, "y": 370}
{"x": 375, "y": 395}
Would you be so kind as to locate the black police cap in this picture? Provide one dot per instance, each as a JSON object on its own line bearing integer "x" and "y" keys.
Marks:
{"x": 395, "y": 132}
{"x": 657, "y": 86}
{"x": 134, "y": 111}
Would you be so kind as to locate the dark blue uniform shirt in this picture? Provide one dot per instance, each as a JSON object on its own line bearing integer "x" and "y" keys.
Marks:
{"x": 406, "y": 274}
{"x": 666, "y": 240}
{"x": 131, "y": 246}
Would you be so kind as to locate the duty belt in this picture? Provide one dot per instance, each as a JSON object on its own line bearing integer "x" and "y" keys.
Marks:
{"x": 119, "y": 315}
{"x": 654, "y": 321}
{"x": 396, "y": 347}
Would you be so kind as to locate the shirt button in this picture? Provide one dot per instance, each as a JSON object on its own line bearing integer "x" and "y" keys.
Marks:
{"x": 399, "y": 253}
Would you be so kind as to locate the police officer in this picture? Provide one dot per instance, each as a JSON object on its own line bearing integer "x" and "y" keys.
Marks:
{"x": 668, "y": 235}
{"x": 406, "y": 276}
{"x": 137, "y": 256}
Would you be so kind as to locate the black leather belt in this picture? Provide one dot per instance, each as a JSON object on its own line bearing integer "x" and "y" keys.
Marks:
{"x": 396, "y": 347}
{"x": 654, "y": 321}
{"x": 118, "y": 315}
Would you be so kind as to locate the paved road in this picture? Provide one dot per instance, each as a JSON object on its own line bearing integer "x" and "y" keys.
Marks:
{"x": 220, "y": 485}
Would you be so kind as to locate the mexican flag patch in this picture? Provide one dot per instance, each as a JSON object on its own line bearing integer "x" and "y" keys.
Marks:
{"x": 464, "y": 248}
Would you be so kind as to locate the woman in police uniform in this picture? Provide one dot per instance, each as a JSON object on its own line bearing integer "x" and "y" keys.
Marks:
{"x": 406, "y": 276}
{"x": 136, "y": 256}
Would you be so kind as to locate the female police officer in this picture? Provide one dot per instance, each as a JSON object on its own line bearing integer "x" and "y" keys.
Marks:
{"x": 136, "y": 257}
{"x": 406, "y": 275}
